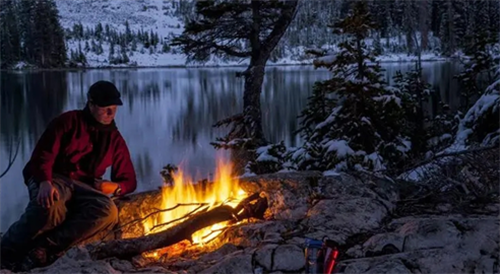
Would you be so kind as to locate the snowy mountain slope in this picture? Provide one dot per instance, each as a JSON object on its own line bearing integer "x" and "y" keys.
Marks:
{"x": 161, "y": 17}
{"x": 147, "y": 14}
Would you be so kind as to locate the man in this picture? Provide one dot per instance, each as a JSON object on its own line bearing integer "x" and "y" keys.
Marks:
{"x": 68, "y": 200}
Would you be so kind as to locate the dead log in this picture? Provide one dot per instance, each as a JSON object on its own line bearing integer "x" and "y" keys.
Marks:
{"x": 253, "y": 206}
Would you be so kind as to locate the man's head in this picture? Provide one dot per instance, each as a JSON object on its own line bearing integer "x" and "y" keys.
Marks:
{"x": 103, "y": 100}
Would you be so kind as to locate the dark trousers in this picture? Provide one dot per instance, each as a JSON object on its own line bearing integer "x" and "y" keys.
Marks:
{"x": 80, "y": 213}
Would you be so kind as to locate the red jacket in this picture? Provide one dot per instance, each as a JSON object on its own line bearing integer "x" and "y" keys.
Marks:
{"x": 75, "y": 145}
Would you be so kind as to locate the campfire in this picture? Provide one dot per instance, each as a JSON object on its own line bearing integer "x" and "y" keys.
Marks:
{"x": 185, "y": 198}
{"x": 196, "y": 212}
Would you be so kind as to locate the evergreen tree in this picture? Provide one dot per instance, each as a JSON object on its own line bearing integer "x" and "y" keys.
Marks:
{"x": 165, "y": 48}
{"x": 98, "y": 31}
{"x": 10, "y": 40}
{"x": 363, "y": 127}
{"x": 128, "y": 33}
{"x": 447, "y": 29}
{"x": 87, "y": 46}
{"x": 49, "y": 46}
{"x": 125, "y": 58}
{"x": 27, "y": 27}
{"x": 100, "y": 50}
{"x": 93, "y": 46}
{"x": 414, "y": 91}
{"x": 107, "y": 31}
{"x": 133, "y": 47}
{"x": 220, "y": 29}
{"x": 480, "y": 65}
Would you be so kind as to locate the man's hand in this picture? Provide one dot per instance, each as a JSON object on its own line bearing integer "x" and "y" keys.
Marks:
{"x": 106, "y": 187}
{"x": 47, "y": 194}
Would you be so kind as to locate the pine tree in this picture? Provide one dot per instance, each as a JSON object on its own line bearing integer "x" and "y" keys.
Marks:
{"x": 447, "y": 29}
{"x": 363, "y": 127}
{"x": 480, "y": 65}
{"x": 98, "y": 31}
{"x": 128, "y": 33}
{"x": 27, "y": 27}
{"x": 414, "y": 91}
{"x": 220, "y": 29}
{"x": 49, "y": 46}
{"x": 165, "y": 48}
{"x": 134, "y": 45}
{"x": 10, "y": 40}
{"x": 81, "y": 56}
{"x": 87, "y": 46}
{"x": 124, "y": 57}
{"x": 100, "y": 50}
{"x": 111, "y": 55}
{"x": 93, "y": 46}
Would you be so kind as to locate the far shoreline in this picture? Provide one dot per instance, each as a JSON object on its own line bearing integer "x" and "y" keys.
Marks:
{"x": 128, "y": 67}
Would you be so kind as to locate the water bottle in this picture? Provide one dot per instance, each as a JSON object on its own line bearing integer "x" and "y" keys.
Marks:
{"x": 314, "y": 256}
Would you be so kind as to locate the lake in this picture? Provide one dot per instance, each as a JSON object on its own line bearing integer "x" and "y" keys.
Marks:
{"x": 167, "y": 114}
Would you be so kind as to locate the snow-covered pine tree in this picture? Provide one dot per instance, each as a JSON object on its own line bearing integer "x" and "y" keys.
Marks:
{"x": 480, "y": 125}
{"x": 364, "y": 128}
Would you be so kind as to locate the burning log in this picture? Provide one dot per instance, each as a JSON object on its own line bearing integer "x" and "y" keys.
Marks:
{"x": 253, "y": 206}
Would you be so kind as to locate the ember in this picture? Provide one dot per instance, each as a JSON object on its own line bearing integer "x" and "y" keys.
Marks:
{"x": 224, "y": 191}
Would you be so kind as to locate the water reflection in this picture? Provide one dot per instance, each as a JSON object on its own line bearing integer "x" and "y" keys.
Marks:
{"x": 167, "y": 115}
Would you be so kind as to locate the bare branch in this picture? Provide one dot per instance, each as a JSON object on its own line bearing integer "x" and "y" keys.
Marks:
{"x": 151, "y": 214}
{"x": 12, "y": 157}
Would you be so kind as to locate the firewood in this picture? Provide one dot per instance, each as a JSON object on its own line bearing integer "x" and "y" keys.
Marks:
{"x": 128, "y": 248}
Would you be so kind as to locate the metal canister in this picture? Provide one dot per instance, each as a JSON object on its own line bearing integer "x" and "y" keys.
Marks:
{"x": 314, "y": 256}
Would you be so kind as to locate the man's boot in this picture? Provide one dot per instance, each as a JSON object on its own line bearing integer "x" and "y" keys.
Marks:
{"x": 9, "y": 262}
{"x": 44, "y": 254}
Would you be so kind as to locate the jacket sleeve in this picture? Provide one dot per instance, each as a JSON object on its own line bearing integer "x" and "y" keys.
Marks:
{"x": 122, "y": 169}
{"x": 46, "y": 150}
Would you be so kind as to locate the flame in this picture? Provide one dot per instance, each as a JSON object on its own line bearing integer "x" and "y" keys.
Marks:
{"x": 225, "y": 190}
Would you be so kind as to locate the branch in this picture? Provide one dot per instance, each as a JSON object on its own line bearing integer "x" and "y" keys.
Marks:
{"x": 456, "y": 153}
{"x": 232, "y": 119}
{"x": 153, "y": 213}
{"x": 281, "y": 25}
{"x": 228, "y": 50}
{"x": 12, "y": 158}
{"x": 180, "y": 218}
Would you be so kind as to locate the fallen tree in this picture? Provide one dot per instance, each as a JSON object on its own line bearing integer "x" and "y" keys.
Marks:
{"x": 253, "y": 206}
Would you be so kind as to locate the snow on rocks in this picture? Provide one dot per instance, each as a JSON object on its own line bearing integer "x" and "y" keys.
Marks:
{"x": 431, "y": 244}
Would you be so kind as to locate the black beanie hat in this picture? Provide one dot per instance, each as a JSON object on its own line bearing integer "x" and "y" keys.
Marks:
{"x": 104, "y": 93}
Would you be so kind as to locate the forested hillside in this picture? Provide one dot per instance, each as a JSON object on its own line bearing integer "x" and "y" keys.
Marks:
{"x": 53, "y": 33}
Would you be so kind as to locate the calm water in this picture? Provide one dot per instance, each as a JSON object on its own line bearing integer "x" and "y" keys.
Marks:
{"x": 167, "y": 113}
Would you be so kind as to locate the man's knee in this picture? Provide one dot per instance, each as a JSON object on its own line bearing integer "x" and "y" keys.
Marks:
{"x": 109, "y": 211}
{"x": 46, "y": 218}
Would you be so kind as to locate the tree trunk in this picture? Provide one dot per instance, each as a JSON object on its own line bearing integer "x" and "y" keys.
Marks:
{"x": 251, "y": 101}
{"x": 423, "y": 21}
